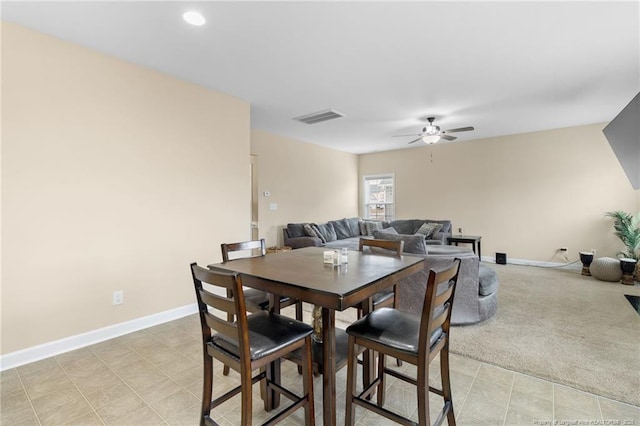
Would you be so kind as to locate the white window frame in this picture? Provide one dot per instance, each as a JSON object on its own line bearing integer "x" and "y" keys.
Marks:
{"x": 387, "y": 203}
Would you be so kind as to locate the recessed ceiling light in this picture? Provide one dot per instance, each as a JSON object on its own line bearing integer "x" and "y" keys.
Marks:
{"x": 194, "y": 18}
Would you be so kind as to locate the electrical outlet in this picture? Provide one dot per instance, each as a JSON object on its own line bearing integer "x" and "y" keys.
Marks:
{"x": 118, "y": 297}
{"x": 459, "y": 230}
{"x": 594, "y": 252}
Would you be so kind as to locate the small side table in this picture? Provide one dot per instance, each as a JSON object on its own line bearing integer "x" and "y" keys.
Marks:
{"x": 467, "y": 239}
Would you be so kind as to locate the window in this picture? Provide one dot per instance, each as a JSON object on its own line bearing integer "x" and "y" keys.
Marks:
{"x": 378, "y": 196}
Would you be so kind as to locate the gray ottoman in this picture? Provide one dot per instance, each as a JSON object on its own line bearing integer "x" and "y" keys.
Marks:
{"x": 606, "y": 269}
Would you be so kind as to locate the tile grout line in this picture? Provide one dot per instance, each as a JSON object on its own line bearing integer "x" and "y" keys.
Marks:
{"x": 127, "y": 384}
{"x": 600, "y": 410}
{"x": 469, "y": 390}
{"x": 506, "y": 412}
{"x": 553, "y": 400}
{"x": 24, "y": 388}
{"x": 81, "y": 392}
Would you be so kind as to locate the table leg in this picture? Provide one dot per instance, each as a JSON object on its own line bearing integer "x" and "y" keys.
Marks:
{"x": 329, "y": 366}
{"x": 479, "y": 252}
{"x": 273, "y": 401}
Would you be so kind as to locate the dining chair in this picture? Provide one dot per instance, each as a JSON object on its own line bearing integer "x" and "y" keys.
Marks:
{"x": 251, "y": 342}
{"x": 385, "y": 297}
{"x": 411, "y": 338}
{"x": 256, "y": 300}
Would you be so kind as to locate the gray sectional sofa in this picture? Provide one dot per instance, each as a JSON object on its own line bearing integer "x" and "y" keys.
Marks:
{"x": 477, "y": 290}
{"x": 347, "y": 232}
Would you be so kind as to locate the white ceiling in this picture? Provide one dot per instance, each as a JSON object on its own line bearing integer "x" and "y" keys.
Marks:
{"x": 503, "y": 67}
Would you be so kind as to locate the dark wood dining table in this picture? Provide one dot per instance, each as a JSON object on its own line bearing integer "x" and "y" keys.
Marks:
{"x": 302, "y": 274}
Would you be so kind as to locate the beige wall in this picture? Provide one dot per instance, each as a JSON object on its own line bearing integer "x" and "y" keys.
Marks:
{"x": 526, "y": 194}
{"x": 307, "y": 182}
{"x": 114, "y": 177}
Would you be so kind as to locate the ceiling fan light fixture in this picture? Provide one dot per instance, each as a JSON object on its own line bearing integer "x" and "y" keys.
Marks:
{"x": 431, "y": 129}
{"x": 431, "y": 139}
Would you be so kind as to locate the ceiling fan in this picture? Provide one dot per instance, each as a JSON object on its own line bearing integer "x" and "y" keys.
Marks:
{"x": 432, "y": 134}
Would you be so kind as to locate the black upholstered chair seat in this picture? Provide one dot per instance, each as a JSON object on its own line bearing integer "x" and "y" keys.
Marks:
{"x": 392, "y": 328}
{"x": 268, "y": 333}
{"x": 259, "y": 300}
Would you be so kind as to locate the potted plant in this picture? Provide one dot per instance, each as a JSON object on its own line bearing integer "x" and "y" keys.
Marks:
{"x": 626, "y": 227}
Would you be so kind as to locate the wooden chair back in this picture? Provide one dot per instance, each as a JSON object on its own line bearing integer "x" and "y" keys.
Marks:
{"x": 233, "y": 305}
{"x": 390, "y": 245}
{"x": 255, "y": 248}
{"x": 440, "y": 290}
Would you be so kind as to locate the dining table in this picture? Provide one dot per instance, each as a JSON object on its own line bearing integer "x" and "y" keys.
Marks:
{"x": 302, "y": 274}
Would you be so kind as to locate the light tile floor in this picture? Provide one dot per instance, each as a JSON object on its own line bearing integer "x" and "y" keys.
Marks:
{"x": 153, "y": 377}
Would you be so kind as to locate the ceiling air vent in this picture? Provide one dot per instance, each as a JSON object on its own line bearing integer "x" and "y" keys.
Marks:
{"x": 318, "y": 117}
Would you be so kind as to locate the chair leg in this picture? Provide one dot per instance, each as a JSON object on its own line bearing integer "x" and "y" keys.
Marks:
{"x": 299, "y": 318}
{"x": 423, "y": 394}
{"x": 207, "y": 388}
{"x": 446, "y": 383}
{"x": 247, "y": 400}
{"x": 264, "y": 395}
{"x": 307, "y": 384}
{"x": 382, "y": 384}
{"x": 349, "y": 418}
{"x": 299, "y": 311}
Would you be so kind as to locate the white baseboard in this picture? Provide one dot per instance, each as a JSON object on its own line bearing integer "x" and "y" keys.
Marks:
{"x": 573, "y": 265}
{"x": 46, "y": 350}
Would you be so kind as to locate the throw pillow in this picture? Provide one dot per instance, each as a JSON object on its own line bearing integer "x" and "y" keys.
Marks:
{"x": 311, "y": 231}
{"x": 373, "y": 226}
{"x": 412, "y": 243}
{"x": 428, "y": 230}
{"x": 362, "y": 227}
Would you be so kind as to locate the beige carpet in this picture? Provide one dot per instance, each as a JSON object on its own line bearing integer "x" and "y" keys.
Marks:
{"x": 555, "y": 324}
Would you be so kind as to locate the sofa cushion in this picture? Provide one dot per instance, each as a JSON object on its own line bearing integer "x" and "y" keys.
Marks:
{"x": 354, "y": 227}
{"x": 428, "y": 229}
{"x": 412, "y": 243}
{"x": 327, "y": 232}
{"x": 390, "y": 230}
{"x": 403, "y": 226}
{"x": 296, "y": 230}
{"x": 341, "y": 228}
{"x": 488, "y": 281}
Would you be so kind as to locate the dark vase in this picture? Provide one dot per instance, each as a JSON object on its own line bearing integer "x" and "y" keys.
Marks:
{"x": 586, "y": 257}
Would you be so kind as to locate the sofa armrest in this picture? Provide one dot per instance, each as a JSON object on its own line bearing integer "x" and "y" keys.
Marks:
{"x": 300, "y": 242}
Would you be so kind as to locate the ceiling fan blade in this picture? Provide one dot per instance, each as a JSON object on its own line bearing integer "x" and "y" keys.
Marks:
{"x": 413, "y": 134}
{"x": 416, "y": 140}
{"x": 460, "y": 129}
{"x": 448, "y": 138}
